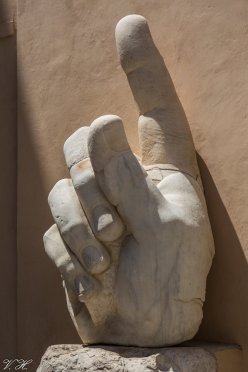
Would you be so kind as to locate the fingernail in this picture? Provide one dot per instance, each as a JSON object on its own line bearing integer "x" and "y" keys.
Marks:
{"x": 107, "y": 137}
{"x": 85, "y": 287}
{"x": 115, "y": 135}
{"x": 95, "y": 259}
{"x": 102, "y": 218}
{"x": 108, "y": 227}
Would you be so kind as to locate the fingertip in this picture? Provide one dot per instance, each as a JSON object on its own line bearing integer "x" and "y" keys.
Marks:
{"x": 101, "y": 121}
{"x": 57, "y": 192}
{"x": 106, "y": 138}
{"x": 133, "y": 41}
{"x": 75, "y": 147}
{"x": 130, "y": 22}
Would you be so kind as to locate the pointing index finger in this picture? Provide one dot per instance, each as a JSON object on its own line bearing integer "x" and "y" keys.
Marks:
{"x": 142, "y": 62}
{"x": 165, "y": 137}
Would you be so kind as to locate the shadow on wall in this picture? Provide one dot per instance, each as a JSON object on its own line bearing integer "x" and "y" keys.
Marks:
{"x": 42, "y": 316}
{"x": 226, "y": 303}
{"x": 8, "y": 150}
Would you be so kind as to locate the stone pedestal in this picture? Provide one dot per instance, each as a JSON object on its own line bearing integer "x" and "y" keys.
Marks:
{"x": 187, "y": 358}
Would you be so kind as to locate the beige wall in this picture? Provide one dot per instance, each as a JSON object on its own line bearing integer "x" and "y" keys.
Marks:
{"x": 8, "y": 180}
{"x": 68, "y": 75}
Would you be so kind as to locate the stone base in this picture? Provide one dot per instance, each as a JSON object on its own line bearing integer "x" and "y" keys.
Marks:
{"x": 187, "y": 358}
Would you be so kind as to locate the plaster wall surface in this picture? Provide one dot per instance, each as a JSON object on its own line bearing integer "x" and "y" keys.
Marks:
{"x": 68, "y": 75}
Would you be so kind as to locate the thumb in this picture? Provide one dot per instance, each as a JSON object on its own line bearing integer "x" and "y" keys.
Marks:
{"x": 121, "y": 178}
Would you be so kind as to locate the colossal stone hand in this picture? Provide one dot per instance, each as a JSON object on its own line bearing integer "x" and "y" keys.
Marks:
{"x": 133, "y": 241}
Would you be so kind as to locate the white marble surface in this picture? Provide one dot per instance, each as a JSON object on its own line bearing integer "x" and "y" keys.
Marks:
{"x": 134, "y": 246}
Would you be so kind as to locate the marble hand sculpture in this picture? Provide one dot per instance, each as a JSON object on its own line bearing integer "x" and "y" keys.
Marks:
{"x": 132, "y": 238}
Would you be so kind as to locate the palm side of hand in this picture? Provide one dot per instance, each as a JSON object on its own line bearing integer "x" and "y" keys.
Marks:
{"x": 134, "y": 256}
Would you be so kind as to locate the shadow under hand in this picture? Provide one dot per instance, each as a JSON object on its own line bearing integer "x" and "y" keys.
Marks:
{"x": 225, "y": 309}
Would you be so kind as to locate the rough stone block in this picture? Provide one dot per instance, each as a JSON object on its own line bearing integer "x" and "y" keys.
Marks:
{"x": 186, "y": 358}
